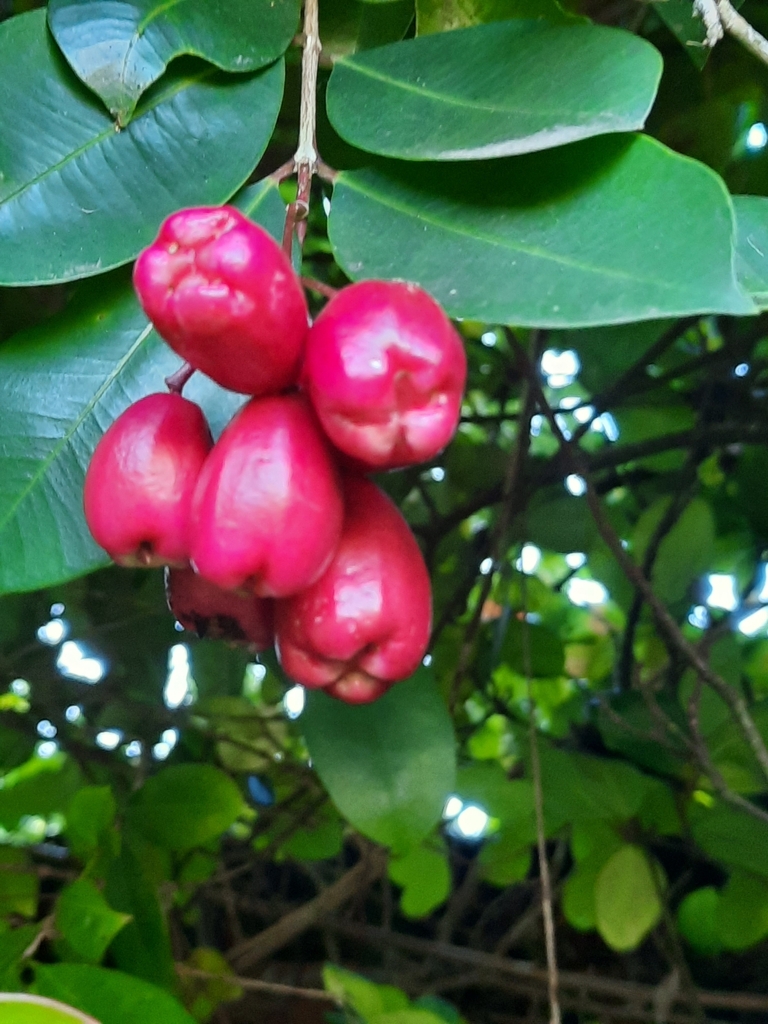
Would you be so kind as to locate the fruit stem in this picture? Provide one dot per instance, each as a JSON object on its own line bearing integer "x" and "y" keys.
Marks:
{"x": 320, "y": 287}
{"x": 176, "y": 381}
{"x": 305, "y": 157}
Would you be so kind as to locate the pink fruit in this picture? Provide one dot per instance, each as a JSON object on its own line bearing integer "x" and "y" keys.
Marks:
{"x": 385, "y": 370}
{"x": 224, "y": 296}
{"x": 267, "y": 510}
{"x": 205, "y": 609}
{"x": 139, "y": 485}
{"x": 365, "y": 623}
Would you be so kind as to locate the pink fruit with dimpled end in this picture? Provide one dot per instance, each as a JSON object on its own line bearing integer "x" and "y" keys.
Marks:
{"x": 223, "y": 294}
{"x": 385, "y": 370}
{"x": 267, "y": 510}
{"x": 365, "y": 623}
{"x": 217, "y": 614}
{"x": 140, "y": 482}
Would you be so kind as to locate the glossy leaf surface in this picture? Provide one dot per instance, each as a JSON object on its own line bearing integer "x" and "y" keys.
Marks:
{"x": 605, "y": 231}
{"x": 111, "y": 996}
{"x": 119, "y": 49}
{"x": 752, "y": 246}
{"x": 388, "y": 766}
{"x": 493, "y": 90}
{"x": 78, "y": 197}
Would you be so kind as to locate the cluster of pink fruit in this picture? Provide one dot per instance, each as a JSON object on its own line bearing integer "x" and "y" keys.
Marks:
{"x": 274, "y": 534}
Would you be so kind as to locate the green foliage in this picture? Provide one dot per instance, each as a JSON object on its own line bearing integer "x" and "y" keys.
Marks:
{"x": 425, "y": 878}
{"x": 627, "y": 902}
{"x": 387, "y": 766}
{"x": 86, "y": 922}
{"x": 26, "y": 1009}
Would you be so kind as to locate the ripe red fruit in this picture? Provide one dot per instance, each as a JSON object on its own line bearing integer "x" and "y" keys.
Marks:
{"x": 267, "y": 510}
{"x": 385, "y": 370}
{"x": 139, "y": 485}
{"x": 365, "y": 624}
{"x": 217, "y": 614}
{"x": 224, "y": 296}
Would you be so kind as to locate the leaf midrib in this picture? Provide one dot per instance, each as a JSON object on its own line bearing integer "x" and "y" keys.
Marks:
{"x": 73, "y": 428}
{"x": 169, "y": 94}
{"x": 565, "y": 261}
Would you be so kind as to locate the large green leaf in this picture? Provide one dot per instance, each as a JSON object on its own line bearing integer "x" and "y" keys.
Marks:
{"x": 61, "y": 385}
{"x": 112, "y": 997}
{"x": 19, "y": 1008}
{"x": 77, "y": 196}
{"x": 388, "y": 766}
{"x": 445, "y": 15}
{"x": 731, "y": 836}
{"x": 185, "y": 806}
{"x": 493, "y": 90}
{"x": 627, "y": 903}
{"x": 119, "y": 49}
{"x": 752, "y": 246}
{"x": 86, "y": 921}
{"x": 604, "y": 231}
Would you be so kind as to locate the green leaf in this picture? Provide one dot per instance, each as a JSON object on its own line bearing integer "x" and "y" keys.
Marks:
{"x": 347, "y": 26}
{"x": 446, "y": 15}
{"x": 606, "y": 352}
{"x": 697, "y": 920}
{"x": 61, "y": 385}
{"x": 263, "y": 204}
{"x": 143, "y": 946}
{"x": 742, "y": 911}
{"x": 605, "y": 231}
{"x": 18, "y": 884}
{"x": 532, "y": 648}
{"x": 112, "y": 997}
{"x": 41, "y": 786}
{"x": 535, "y": 86}
{"x": 86, "y": 921}
{"x": 388, "y": 766}
{"x": 78, "y": 197}
{"x": 20, "y": 1008}
{"x": 89, "y": 817}
{"x": 365, "y": 997}
{"x": 627, "y": 904}
{"x": 581, "y": 788}
{"x": 731, "y": 836}
{"x": 425, "y": 878}
{"x": 119, "y": 49}
{"x": 685, "y": 550}
{"x": 185, "y": 806}
{"x": 752, "y": 246}
{"x": 689, "y": 29}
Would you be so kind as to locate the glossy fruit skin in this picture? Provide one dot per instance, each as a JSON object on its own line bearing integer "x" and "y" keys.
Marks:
{"x": 224, "y": 296}
{"x": 141, "y": 479}
{"x": 365, "y": 624}
{"x": 216, "y": 614}
{"x": 385, "y": 370}
{"x": 267, "y": 510}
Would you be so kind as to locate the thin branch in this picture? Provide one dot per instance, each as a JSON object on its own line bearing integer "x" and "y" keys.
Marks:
{"x": 175, "y": 382}
{"x": 257, "y": 985}
{"x": 320, "y": 287}
{"x": 707, "y": 11}
{"x": 260, "y": 947}
{"x": 738, "y": 27}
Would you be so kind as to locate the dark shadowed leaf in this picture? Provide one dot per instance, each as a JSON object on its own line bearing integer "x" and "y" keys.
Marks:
{"x": 604, "y": 231}
{"x": 493, "y": 90}
{"x": 446, "y": 15}
{"x": 120, "y": 49}
{"x": 78, "y": 197}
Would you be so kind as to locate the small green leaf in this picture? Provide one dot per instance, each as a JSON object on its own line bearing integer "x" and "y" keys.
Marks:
{"x": 697, "y": 920}
{"x": 731, "y": 836}
{"x": 89, "y": 816}
{"x": 606, "y": 231}
{"x": 86, "y": 921}
{"x": 21, "y": 1008}
{"x": 742, "y": 911}
{"x": 425, "y": 878}
{"x": 530, "y": 648}
{"x": 119, "y": 50}
{"x": 536, "y": 86}
{"x": 627, "y": 904}
{"x": 41, "y": 786}
{"x": 18, "y": 884}
{"x": 446, "y": 15}
{"x": 684, "y": 552}
{"x": 388, "y": 766}
{"x": 363, "y": 996}
{"x": 78, "y": 197}
{"x": 110, "y": 996}
{"x": 752, "y": 246}
{"x": 185, "y": 806}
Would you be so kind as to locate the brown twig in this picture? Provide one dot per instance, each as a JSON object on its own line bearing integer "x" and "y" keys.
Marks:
{"x": 320, "y": 287}
{"x": 260, "y": 947}
{"x": 257, "y": 985}
{"x": 176, "y": 381}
